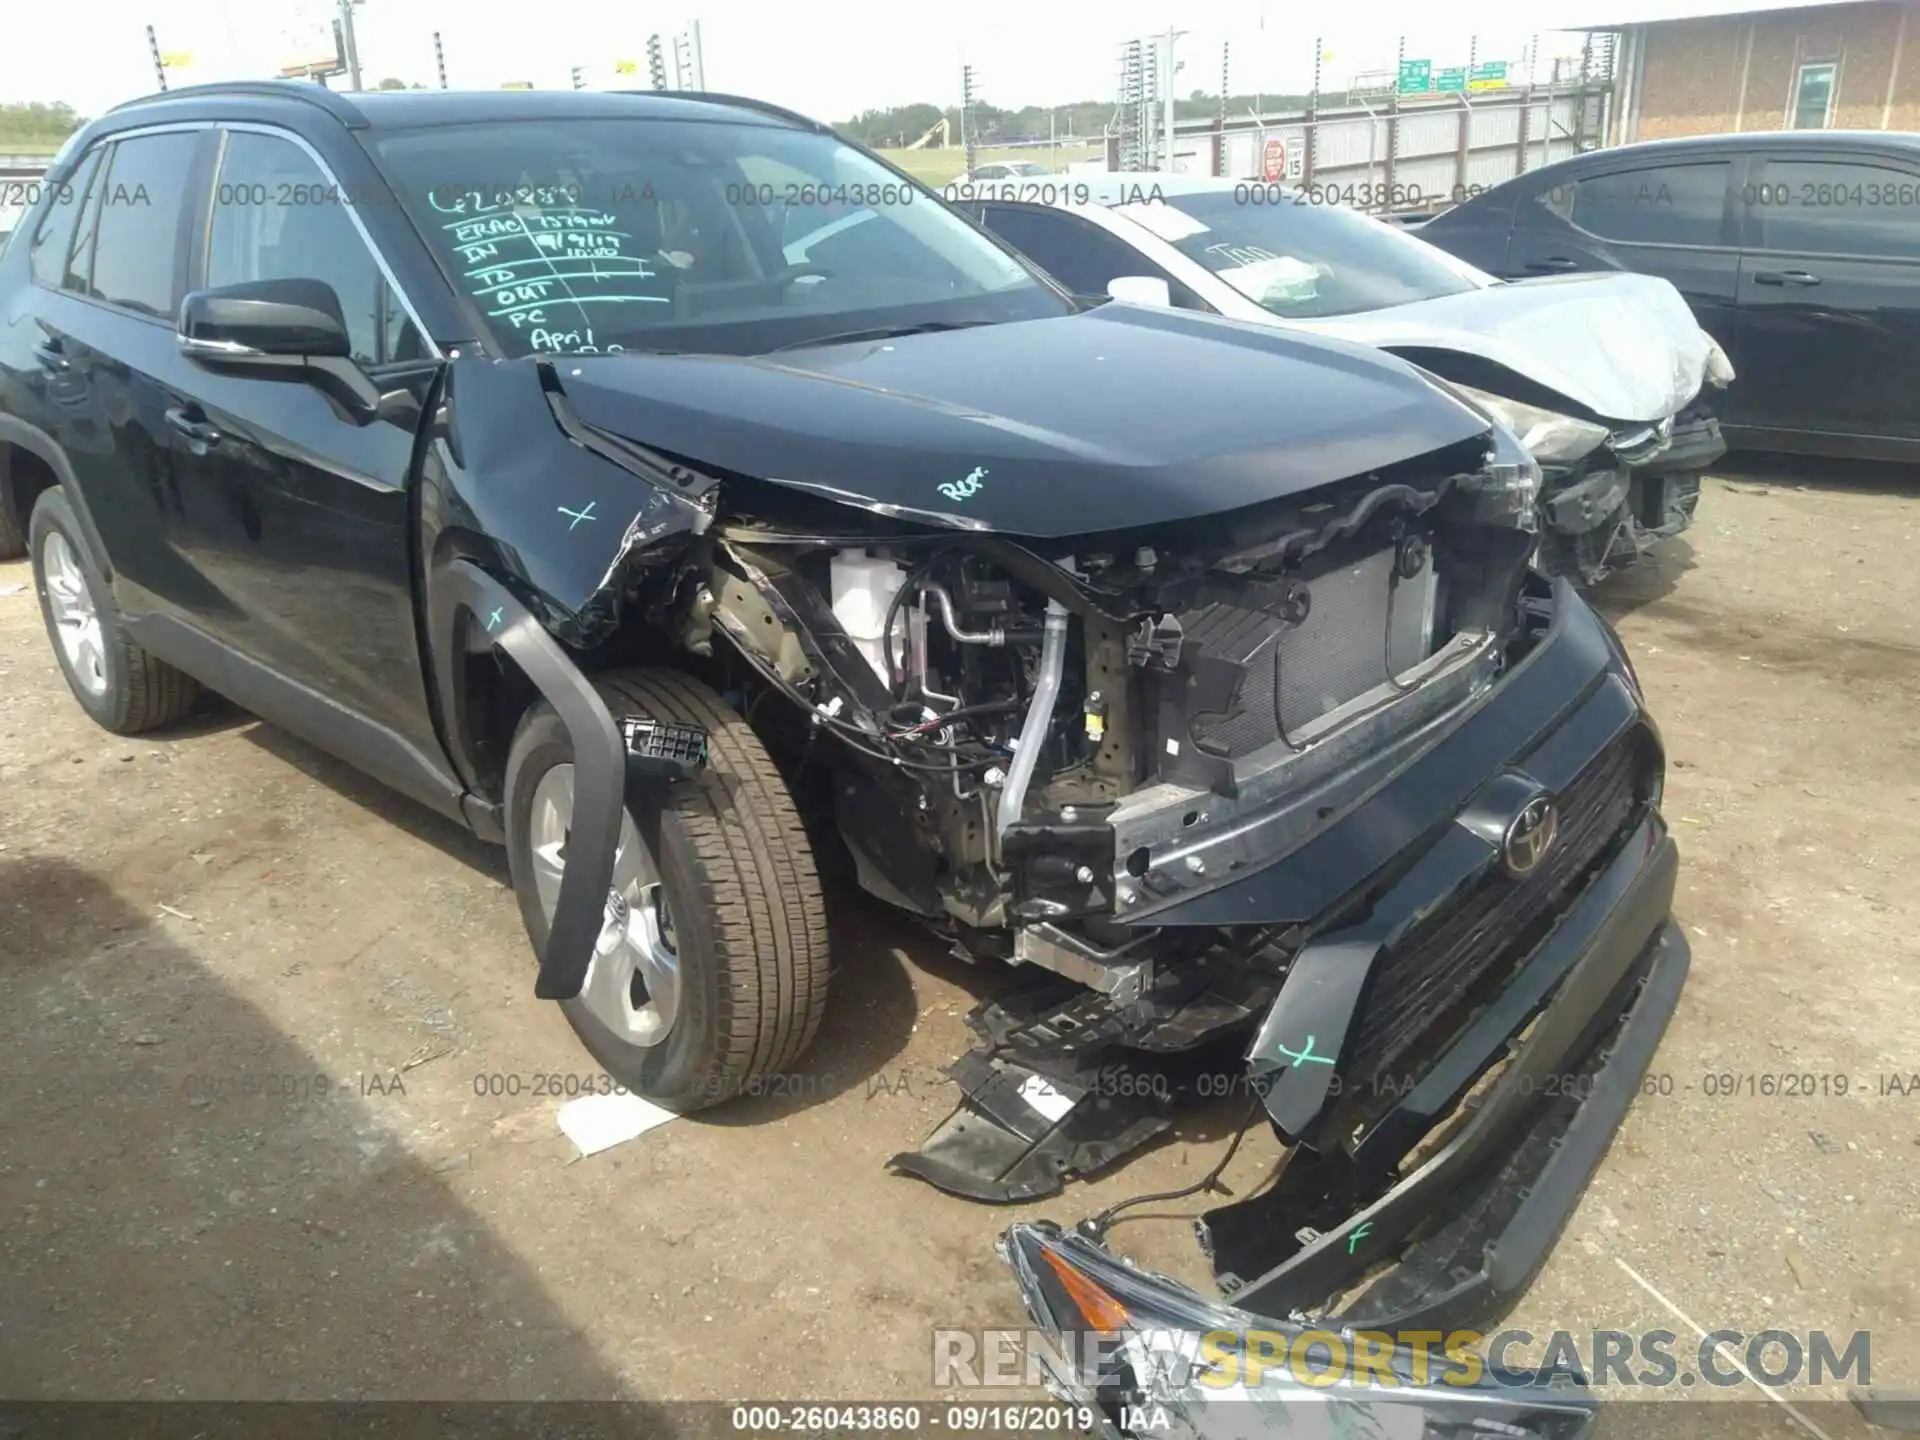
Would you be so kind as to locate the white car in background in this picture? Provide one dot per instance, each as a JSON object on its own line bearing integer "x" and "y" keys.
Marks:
{"x": 1003, "y": 170}
{"x": 1605, "y": 378}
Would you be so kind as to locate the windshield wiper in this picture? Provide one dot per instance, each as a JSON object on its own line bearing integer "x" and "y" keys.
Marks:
{"x": 881, "y": 332}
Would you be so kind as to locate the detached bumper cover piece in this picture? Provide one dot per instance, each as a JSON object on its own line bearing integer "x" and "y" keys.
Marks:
{"x": 1152, "y": 1357}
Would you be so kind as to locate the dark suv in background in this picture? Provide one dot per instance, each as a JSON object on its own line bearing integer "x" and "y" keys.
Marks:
{"x": 1798, "y": 250}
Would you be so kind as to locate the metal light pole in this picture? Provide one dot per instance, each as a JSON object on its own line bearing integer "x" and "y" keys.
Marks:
{"x": 696, "y": 62}
{"x": 153, "y": 48}
{"x": 348, "y": 44}
{"x": 439, "y": 60}
{"x": 1167, "y": 72}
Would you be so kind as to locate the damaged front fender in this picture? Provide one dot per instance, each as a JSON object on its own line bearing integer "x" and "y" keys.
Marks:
{"x": 565, "y": 514}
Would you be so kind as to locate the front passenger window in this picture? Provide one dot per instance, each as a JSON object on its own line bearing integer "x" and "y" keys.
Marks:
{"x": 277, "y": 217}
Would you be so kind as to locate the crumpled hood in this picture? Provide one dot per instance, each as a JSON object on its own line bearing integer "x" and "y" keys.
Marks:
{"x": 1119, "y": 417}
{"x": 1624, "y": 346}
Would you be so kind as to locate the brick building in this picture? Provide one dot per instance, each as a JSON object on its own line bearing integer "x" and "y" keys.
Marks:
{"x": 1851, "y": 65}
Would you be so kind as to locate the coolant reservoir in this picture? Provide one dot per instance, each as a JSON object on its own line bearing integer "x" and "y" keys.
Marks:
{"x": 863, "y": 589}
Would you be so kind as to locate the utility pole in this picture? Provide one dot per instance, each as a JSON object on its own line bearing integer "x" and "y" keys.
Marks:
{"x": 966, "y": 116}
{"x": 350, "y": 47}
{"x": 695, "y": 77}
{"x": 656, "y": 63}
{"x": 153, "y": 48}
{"x": 1168, "y": 70}
{"x": 439, "y": 60}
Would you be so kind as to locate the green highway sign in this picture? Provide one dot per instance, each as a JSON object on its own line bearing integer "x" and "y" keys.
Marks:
{"x": 1491, "y": 76}
{"x": 1453, "y": 79}
{"x": 1416, "y": 77}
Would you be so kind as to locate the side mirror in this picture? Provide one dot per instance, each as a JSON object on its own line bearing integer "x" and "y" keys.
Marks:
{"x": 264, "y": 324}
{"x": 1141, "y": 290}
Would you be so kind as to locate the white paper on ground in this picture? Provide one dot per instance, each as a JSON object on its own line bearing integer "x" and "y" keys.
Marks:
{"x": 1044, "y": 1098}
{"x": 599, "y": 1122}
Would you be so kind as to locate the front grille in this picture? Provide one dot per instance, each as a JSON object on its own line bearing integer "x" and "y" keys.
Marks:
{"x": 1361, "y": 628}
{"x": 1418, "y": 988}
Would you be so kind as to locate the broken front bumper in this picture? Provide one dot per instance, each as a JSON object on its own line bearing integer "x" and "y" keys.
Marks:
{"x": 1454, "y": 1044}
{"x": 1609, "y": 512}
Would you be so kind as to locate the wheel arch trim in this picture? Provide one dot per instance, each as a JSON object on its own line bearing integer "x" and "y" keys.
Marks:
{"x": 44, "y": 448}
{"x": 473, "y": 614}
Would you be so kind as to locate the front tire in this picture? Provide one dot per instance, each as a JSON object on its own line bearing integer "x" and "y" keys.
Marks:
{"x": 119, "y": 684}
{"x": 711, "y": 971}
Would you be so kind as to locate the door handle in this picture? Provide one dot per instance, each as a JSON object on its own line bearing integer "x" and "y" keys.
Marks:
{"x": 47, "y": 355}
{"x": 1553, "y": 263}
{"x": 197, "y": 430}
{"x": 1784, "y": 277}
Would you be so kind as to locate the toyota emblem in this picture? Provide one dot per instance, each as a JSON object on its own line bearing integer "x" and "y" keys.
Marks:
{"x": 1530, "y": 835}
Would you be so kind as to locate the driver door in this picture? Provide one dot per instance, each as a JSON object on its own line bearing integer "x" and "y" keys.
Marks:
{"x": 295, "y": 512}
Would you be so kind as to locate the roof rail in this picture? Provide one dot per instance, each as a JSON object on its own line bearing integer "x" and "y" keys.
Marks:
{"x": 305, "y": 91}
{"x": 742, "y": 102}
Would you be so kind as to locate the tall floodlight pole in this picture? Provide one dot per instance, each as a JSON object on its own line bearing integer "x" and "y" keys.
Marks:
{"x": 352, "y": 47}
{"x": 439, "y": 60}
{"x": 696, "y": 64}
{"x": 153, "y": 49}
{"x": 1167, "y": 98}
{"x": 966, "y": 115}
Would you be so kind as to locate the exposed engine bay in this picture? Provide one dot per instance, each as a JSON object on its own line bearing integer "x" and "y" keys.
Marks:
{"x": 1047, "y": 756}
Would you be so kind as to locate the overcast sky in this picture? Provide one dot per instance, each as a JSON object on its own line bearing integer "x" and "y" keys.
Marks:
{"x": 826, "y": 60}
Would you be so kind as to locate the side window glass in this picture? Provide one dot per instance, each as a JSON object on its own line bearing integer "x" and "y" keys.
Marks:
{"x": 136, "y": 255}
{"x": 47, "y": 257}
{"x": 1835, "y": 207}
{"x": 1080, "y": 256}
{"x": 1558, "y": 200}
{"x": 277, "y": 217}
{"x": 78, "y": 276}
{"x": 1661, "y": 205}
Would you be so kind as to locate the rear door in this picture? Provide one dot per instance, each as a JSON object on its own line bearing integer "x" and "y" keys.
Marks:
{"x": 1675, "y": 216}
{"x": 297, "y": 514}
{"x": 106, "y": 359}
{"x": 1829, "y": 303}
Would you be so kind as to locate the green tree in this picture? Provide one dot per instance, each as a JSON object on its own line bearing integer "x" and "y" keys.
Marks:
{"x": 36, "y": 124}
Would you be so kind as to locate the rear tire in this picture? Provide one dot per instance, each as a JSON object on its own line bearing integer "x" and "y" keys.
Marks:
{"x": 120, "y": 685}
{"x": 723, "y": 910}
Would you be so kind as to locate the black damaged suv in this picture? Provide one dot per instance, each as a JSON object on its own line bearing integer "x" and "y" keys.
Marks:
{"x": 574, "y": 464}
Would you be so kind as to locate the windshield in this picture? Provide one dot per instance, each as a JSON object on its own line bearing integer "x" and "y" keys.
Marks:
{"x": 587, "y": 236}
{"x": 1298, "y": 259}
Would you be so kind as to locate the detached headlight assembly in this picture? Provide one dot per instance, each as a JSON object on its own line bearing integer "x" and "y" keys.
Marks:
{"x": 1551, "y": 438}
{"x": 1152, "y": 1357}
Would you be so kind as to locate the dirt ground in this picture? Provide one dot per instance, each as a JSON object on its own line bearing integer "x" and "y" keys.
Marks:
{"x": 257, "y": 1017}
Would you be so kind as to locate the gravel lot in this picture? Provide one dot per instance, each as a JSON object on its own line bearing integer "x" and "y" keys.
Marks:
{"x": 201, "y": 928}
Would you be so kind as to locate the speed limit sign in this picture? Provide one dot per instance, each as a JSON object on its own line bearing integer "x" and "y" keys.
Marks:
{"x": 1273, "y": 160}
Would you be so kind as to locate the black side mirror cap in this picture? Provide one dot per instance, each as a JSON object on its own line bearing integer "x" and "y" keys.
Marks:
{"x": 263, "y": 321}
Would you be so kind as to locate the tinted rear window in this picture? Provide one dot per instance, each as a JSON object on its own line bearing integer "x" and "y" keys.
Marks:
{"x": 54, "y": 237}
{"x": 1658, "y": 205}
{"x": 136, "y": 257}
